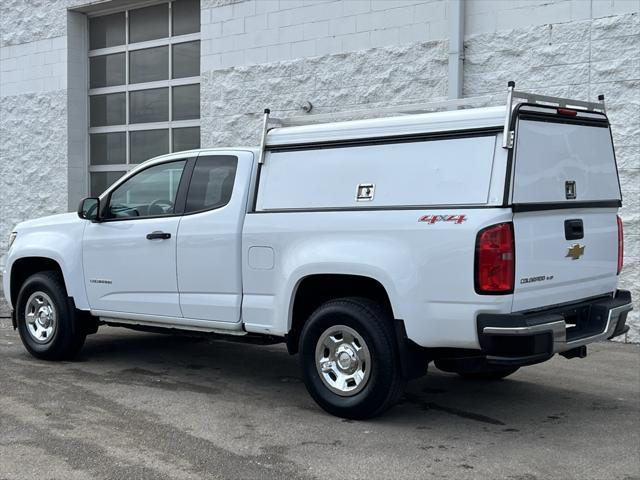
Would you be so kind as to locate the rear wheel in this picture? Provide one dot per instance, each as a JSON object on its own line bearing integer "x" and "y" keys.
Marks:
{"x": 349, "y": 358}
{"x": 47, "y": 324}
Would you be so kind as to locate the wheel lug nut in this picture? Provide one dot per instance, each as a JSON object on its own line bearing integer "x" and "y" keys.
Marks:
{"x": 327, "y": 366}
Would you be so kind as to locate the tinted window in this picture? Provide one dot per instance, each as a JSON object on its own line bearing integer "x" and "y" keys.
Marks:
{"x": 212, "y": 183}
{"x": 186, "y": 60}
{"x": 108, "y": 148}
{"x": 186, "y": 138}
{"x": 106, "y": 31}
{"x": 100, "y": 181}
{"x": 149, "y": 65}
{"x": 146, "y": 144}
{"x": 107, "y": 109}
{"x": 186, "y": 17}
{"x": 152, "y": 192}
{"x": 106, "y": 70}
{"x": 186, "y": 102}
{"x": 149, "y": 105}
{"x": 149, "y": 23}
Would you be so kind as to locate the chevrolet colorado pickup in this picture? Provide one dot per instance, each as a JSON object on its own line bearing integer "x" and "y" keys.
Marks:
{"x": 481, "y": 239}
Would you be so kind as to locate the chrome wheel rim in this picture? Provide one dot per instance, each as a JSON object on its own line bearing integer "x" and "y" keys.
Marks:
{"x": 343, "y": 360}
{"x": 41, "y": 317}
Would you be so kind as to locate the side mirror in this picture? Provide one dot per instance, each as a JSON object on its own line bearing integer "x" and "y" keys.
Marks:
{"x": 89, "y": 209}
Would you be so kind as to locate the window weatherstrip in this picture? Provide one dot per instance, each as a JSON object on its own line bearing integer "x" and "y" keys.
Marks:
{"x": 542, "y": 206}
{"x": 382, "y": 140}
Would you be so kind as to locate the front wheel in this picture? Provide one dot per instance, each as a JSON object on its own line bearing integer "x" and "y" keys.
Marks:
{"x": 46, "y": 322}
{"x": 349, "y": 358}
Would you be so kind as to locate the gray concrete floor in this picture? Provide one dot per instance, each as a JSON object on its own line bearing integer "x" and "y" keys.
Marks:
{"x": 141, "y": 406}
{"x": 4, "y": 307}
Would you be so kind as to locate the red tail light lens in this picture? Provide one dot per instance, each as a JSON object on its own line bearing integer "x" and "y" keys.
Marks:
{"x": 567, "y": 111}
{"x": 620, "y": 245}
{"x": 495, "y": 260}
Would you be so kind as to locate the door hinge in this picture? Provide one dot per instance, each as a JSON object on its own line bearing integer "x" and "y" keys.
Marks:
{"x": 510, "y": 138}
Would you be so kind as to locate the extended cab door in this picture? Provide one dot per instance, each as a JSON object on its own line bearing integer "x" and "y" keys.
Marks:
{"x": 565, "y": 195}
{"x": 130, "y": 256}
{"x": 209, "y": 237}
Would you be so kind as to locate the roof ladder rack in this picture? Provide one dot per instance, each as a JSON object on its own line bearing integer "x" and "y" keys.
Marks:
{"x": 515, "y": 97}
{"x": 263, "y": 139}
{"x": 396, "y": 110}
{"x": 377, "y": 112}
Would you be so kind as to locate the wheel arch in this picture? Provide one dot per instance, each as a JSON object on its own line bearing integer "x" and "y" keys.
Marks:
{"x": 313, "y": 290}
{"x": 22, "y": 268}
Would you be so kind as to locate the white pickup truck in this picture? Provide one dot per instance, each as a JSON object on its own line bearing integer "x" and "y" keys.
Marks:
{"x": 481, "y": 239}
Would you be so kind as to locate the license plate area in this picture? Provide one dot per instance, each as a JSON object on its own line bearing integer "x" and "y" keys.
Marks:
{"x": 584, "y": 321}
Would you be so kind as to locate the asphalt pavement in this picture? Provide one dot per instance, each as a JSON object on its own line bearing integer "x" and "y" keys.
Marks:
{"x": 151, "y": 406}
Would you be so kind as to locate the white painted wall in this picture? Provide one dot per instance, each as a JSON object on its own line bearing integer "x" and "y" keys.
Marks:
{"x": 34, "y": 67}
{"x": 246, "y": 32}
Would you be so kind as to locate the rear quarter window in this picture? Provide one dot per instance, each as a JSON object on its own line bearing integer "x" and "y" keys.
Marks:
{"x": 211, "y": 183}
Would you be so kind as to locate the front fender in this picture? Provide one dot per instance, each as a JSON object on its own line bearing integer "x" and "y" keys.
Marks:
{"x": 60, "y": 243}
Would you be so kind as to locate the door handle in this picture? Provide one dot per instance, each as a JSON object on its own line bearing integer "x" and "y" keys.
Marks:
{"x": 158, "y": 235}
{"x": 573, "y": 229}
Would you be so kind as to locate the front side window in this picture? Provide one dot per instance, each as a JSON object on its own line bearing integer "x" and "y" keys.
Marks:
{"x": 212, "y": 183}
{"x": 150, "y": 193}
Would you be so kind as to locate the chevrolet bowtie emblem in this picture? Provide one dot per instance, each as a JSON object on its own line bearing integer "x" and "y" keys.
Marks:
{"x": 575, "y": 251}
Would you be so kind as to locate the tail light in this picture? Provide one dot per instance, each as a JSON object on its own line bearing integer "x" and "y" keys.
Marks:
{"x": 567, "y": 112}
{"x": 495, "y": 260}
{"x": 620, "y": 245}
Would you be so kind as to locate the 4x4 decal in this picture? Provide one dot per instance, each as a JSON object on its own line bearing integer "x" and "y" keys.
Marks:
{"x": 431, "y": 219}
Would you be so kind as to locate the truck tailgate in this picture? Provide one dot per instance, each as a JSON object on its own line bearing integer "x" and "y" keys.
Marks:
{"x": 551, "y": 269}
{"x": 565, "y": 194}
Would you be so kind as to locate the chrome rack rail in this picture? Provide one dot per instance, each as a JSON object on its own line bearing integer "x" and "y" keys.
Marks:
{"x": 263, "y": 138}
{"x": 376, "y": 112}
{"x": 396, "y": 110}
{"x": 515, "y": 97}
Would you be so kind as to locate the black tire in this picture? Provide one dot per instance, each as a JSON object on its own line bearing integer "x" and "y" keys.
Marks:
{"x": 489, "y": 374}
{"x": 384, "y": 384}
{"x": 68, "y": 336}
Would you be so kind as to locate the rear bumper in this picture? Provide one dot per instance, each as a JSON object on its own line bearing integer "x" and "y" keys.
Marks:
{"x": 532, "y": 337}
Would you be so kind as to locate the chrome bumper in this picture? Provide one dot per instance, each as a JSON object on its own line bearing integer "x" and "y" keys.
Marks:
{"x": 525, "y": 338}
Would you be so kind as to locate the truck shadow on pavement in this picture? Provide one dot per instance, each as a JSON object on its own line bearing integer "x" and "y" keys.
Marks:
{"x": 214, "y": 367}
{"x": 140, "y": 405}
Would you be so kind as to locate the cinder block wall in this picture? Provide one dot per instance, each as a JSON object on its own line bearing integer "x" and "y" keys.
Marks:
{"x": 33, "y": 111}
{"x": 338, "y": 55}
